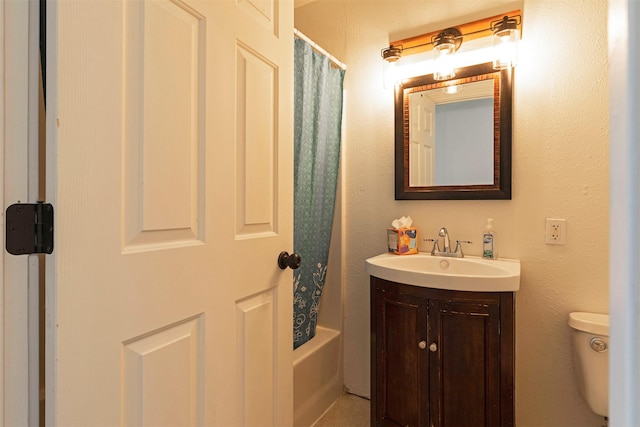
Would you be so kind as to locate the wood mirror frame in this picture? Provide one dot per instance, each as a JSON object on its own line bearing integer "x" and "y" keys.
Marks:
{"x": 501, "y": 187}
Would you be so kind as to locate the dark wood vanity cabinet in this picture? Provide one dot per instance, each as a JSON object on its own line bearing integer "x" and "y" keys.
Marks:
{"x": 440, "y": 357}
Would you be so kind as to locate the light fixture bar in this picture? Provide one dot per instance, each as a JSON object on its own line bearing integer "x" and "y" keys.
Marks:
{"x": 470, "y": 31}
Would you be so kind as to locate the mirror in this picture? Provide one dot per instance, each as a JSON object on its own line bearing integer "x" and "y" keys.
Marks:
{"x": 454, "y": 145}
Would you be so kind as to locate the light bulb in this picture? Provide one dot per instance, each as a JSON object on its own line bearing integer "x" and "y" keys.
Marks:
{"x": 390, "y": 74}
{"x": 445, "y": 46}
{"x": 444, "y": 62}
{"x": 505, "y": 48}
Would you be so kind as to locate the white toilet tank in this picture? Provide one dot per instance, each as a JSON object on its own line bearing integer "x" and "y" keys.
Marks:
{"x": 591, "y": 358}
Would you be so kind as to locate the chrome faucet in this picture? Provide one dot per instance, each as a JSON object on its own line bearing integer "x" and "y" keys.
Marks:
{"x": 447, "y": 245}
{"x": 444, "y": 233}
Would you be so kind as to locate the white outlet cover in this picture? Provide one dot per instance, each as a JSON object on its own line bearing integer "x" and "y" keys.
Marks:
{"x": 555, "y": 231}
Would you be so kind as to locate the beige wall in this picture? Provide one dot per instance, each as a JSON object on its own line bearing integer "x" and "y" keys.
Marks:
{"x": 560, "y": 170}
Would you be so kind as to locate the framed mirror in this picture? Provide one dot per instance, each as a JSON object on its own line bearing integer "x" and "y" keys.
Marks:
{"x": 453, "y": 137}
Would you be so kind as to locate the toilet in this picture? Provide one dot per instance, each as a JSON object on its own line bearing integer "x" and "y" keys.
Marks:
{"x": 591, "y": 358}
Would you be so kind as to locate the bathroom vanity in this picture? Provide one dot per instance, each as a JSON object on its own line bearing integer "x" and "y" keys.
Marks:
{"x": 441, "y": 357}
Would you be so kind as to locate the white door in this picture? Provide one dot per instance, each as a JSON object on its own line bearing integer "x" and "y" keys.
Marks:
{"x": 170, "y": 169}
{"x": 421, "y": 139}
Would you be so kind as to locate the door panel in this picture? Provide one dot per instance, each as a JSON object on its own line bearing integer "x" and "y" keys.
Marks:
{"x": 171, "y": 170}
{"x": 164, "y": 125}
{"x": 422, "y": 140}
{"x": 465, "y": 387}
{"x": 402, "y": 365}
{"x": 262, "y": 12}
{"x": 168, "y": 90}
{"x": 256, "y": 336}
{"x": 155, "y": 395}
{"x": 256, "y": 144}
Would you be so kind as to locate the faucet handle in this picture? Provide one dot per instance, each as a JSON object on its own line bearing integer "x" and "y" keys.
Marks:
{"x": 459, "y": 247}
{"x": 436, "y": 246}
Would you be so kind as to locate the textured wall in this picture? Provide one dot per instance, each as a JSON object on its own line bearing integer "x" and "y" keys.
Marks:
{"x": 560, "y": 170}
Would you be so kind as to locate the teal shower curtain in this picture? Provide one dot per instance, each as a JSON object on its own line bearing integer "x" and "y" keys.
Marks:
{"x": 317, "y": 128}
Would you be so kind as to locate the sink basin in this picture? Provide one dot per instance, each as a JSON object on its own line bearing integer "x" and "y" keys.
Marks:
{"x": 459, "y": 274}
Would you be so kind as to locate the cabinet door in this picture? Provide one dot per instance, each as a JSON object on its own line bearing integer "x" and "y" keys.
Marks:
{"x": 400, "y": 360}
{"x": 465, "y": 363}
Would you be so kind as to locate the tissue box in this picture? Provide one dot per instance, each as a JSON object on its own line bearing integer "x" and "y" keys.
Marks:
{"x": 402, "y": 241}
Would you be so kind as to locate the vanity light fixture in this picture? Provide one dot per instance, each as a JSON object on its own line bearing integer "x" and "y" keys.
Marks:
{"x": 445, "y": 45}
{"x": 505, "y": 42}
{"x": 392, "y": 53}
{"x": 505, "y": 31}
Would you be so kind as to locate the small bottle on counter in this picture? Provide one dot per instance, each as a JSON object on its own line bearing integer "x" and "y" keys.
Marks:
{"x": 488, "y": 241}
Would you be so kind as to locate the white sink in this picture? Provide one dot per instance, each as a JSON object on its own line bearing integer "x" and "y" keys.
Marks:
{"x": 460, "y": 274}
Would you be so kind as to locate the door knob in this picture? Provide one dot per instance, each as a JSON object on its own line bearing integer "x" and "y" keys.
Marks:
{"x": 422, "y": 345}
{"x": 292, "y": 261}
{"x": 433, "y": 347}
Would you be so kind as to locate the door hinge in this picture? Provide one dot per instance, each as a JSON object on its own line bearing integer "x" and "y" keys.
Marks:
{"x": 29, "y": 228}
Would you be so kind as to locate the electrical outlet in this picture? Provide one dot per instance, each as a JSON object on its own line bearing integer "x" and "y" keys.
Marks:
{"x": 555, "y": 231}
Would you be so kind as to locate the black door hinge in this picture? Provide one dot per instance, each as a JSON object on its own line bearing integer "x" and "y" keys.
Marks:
{"x": 29, "y": 228}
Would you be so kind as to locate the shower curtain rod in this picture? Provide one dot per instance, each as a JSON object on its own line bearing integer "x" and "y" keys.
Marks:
{"x": 317, "y": 47}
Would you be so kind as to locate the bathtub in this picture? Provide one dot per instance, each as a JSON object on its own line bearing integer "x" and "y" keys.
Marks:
{"x": 317, "y": 376}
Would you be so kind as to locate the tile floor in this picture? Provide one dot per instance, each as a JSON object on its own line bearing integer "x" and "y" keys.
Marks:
{"x": 348, "y": 411}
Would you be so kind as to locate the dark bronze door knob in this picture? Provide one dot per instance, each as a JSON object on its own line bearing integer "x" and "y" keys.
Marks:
{"x": 292, "y": 261}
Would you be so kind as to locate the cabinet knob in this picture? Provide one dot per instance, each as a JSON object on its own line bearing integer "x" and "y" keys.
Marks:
{"x": 422, "y": 345}
{"x": 433, "y": 347}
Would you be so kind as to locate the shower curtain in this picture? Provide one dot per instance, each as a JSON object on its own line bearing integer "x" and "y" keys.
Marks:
{"x": 317, "y": 128}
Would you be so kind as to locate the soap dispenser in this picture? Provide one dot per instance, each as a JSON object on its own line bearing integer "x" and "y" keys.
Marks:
{"x": 488, "y": 241}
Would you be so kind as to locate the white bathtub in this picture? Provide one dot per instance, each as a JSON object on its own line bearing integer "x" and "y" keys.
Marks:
{"x": 317, "y": 376}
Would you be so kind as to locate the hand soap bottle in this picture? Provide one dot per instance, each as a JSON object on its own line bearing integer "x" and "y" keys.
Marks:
{"x": 488, "y": 241}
